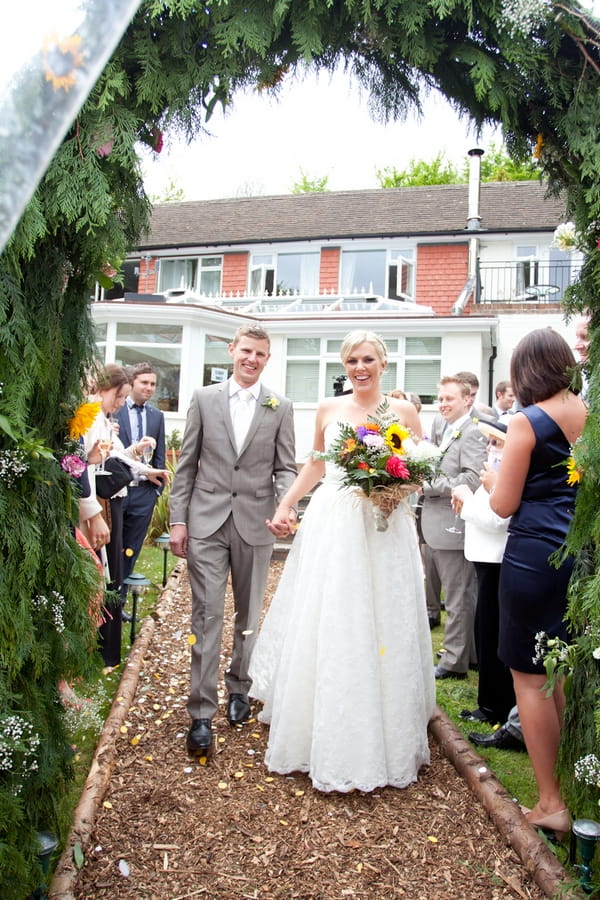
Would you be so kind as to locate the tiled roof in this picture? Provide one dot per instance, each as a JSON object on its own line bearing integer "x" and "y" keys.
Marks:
{"x": 438, "y": 210}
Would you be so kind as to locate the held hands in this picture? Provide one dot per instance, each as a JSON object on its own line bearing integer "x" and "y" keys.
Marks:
{"x": 283, "y": 522}
{"x": 179, "y": 540}
{"x": 488, "y": 477}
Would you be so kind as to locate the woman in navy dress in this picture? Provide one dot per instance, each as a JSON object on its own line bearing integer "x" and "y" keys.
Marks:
{"x": 531, "y": 486}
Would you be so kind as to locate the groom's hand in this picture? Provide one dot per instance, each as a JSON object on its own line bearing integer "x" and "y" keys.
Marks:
{"x": 178, "y": 540}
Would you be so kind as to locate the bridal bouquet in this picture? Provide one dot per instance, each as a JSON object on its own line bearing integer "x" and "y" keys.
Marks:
{"x": 383, "y": 460}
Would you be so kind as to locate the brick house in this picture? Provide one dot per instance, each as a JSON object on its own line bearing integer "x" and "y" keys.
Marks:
{"x": 450, "y": 280}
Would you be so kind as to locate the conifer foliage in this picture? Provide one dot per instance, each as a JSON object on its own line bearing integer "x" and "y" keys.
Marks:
{"x": 531, "y": 65}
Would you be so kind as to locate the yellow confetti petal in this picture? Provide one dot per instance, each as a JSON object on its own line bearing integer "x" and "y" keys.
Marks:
{"x": 191, "y": 639}
{"x": 123, "y": 729}
{"x": 248, "y": 632}
{"x": 269, "y": 778}
{"x": 359, "y": 867}
{"x": 223, "y": 785}
{"x": 120, "y": 699}
{"x": 298, "y": 793}
{"x": 107, "y": 804}
{"x": 202, "y": 760}
{"x": 260, "y": 787}
{"x": 148, "y": 758}
{"x": 135, "y": 740}
{"x": 255, "y": 734}
{"x": 221, "y": 740}
{"x": 283, "y": 822}
{"x": 238, "y": 775}
{"x": 431, "y": 838}
{"x": 156, "y": 706}
{"x": 382, "y": 651}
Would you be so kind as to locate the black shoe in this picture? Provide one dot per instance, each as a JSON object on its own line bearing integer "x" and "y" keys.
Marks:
{"x": 433, "y": 622}
{"x": 238, "y": 709}
{"x": 474, "y": 715}
{"x": 501, "y": 739}
{"x": 200, "y": 737}
{"x": 440, "y": 672}
{"x": 125, "y": 617}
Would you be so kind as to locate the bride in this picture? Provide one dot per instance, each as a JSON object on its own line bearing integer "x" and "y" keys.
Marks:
{"x": 343, "y": 662}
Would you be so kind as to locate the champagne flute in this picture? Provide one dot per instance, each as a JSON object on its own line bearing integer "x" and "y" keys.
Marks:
{"x": 454, "y": 529}
{"x": 148, "y": 450}
{"x": 104, "y": 445}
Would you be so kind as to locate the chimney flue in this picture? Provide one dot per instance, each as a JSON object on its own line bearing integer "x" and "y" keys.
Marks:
{"x": 473, "y": 217}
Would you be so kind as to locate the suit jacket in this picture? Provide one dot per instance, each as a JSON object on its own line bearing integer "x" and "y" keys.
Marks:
{"x": 213, "y": 480}
{"x": 155, "y": 427}
{"x": 461, "y": 463}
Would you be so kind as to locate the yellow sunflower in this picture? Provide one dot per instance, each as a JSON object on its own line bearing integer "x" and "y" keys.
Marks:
{"x": 82, "y": 419}
{"x": 573, "y": 472}
{"x": 394, "y": 435}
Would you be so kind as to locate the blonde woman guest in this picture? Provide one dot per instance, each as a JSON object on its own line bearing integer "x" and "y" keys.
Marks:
{"x": 343, "y": 661}
{"x": 531, "y": 486}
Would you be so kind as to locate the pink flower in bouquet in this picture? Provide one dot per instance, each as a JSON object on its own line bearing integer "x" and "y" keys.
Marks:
{"x": 397, "y": 468}
{"x": 72, "y": 464}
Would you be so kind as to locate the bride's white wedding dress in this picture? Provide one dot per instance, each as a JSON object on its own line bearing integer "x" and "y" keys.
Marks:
{"x": 343, "y": 662}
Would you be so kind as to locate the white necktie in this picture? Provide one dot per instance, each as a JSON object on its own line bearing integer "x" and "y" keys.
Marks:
{"x": 242, "y": 416}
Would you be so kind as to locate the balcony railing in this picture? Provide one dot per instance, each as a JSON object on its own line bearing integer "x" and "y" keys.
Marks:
{"x": 525, "y": 280}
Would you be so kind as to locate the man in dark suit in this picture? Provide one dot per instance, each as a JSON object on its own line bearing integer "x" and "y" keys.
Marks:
{"x": 237, "y": 460}
{"x": 463, "y": 456}
{"x": 504, "y": 399}
{"x": 138, "y": 419}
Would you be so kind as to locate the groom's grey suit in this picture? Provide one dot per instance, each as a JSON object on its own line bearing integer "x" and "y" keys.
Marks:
{"x": 445, "y": 562}
{"x": 225, "y": 497}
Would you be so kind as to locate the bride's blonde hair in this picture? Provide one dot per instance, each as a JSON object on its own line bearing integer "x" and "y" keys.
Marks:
{"x": 354, "y": 338}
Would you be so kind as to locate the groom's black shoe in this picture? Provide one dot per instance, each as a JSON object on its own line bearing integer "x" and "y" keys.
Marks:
{"x": 238, "y": 709}
{"x": 501, "y": 739}
{"x": 200, "y": 737}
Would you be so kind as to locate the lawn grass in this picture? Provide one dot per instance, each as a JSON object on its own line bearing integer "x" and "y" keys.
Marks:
{"x": 513, "y": 769}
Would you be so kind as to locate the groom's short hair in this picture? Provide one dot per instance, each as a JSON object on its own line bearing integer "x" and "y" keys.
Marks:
{"x": 252, "y": 331}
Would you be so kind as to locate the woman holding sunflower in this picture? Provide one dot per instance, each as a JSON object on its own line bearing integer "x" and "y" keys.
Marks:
{"x": 343, "y": 661}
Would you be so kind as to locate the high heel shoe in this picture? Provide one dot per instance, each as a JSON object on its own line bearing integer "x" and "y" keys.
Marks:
{"x": 558, "y": 822}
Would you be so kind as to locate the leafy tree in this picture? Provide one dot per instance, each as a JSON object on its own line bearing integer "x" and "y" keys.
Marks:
{"x": 531, "y": 65}
{"x": 310, "y": 185}
{"x": 496, "y": 165}
{"x": 420, "y": 172}
{"x": 171, "y": 193}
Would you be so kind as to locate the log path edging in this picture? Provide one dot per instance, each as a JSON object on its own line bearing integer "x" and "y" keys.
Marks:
{"x": 534, "y": 854}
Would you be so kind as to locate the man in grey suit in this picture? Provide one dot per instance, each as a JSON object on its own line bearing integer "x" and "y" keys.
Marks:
{"x": 463, "y": 456}
{"x": 237, "y": 461}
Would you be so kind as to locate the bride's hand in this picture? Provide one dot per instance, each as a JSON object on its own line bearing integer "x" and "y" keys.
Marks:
{"x": 283, "y": 522}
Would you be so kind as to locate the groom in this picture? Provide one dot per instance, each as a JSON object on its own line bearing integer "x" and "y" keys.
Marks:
{"x": 236, "y": 462}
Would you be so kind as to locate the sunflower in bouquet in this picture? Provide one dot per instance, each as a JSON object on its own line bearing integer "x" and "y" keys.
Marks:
{"x": 383, "y": 459}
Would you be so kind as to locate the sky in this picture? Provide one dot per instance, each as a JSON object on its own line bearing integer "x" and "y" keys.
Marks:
{"x": 320, "y": 126}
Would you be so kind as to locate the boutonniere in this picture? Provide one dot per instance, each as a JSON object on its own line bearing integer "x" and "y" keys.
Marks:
{"x": 456, "y": 434}
{"x": 271, "y": 402}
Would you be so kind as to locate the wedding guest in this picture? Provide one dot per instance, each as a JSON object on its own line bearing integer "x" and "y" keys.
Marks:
{"x": 236, "y": 462}
{"x": 343, "y": 660}
{"x": 111, "y": 387}
{"x": 485, "y": 538}
{"x": 531, "y": 486}
{"x": 138, "y": 419}
{"x": 505, "y": 399}
{"x": 446, "y": 568}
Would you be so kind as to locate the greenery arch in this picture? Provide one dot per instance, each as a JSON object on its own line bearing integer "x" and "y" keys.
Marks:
{"x": 531, "y": 65}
